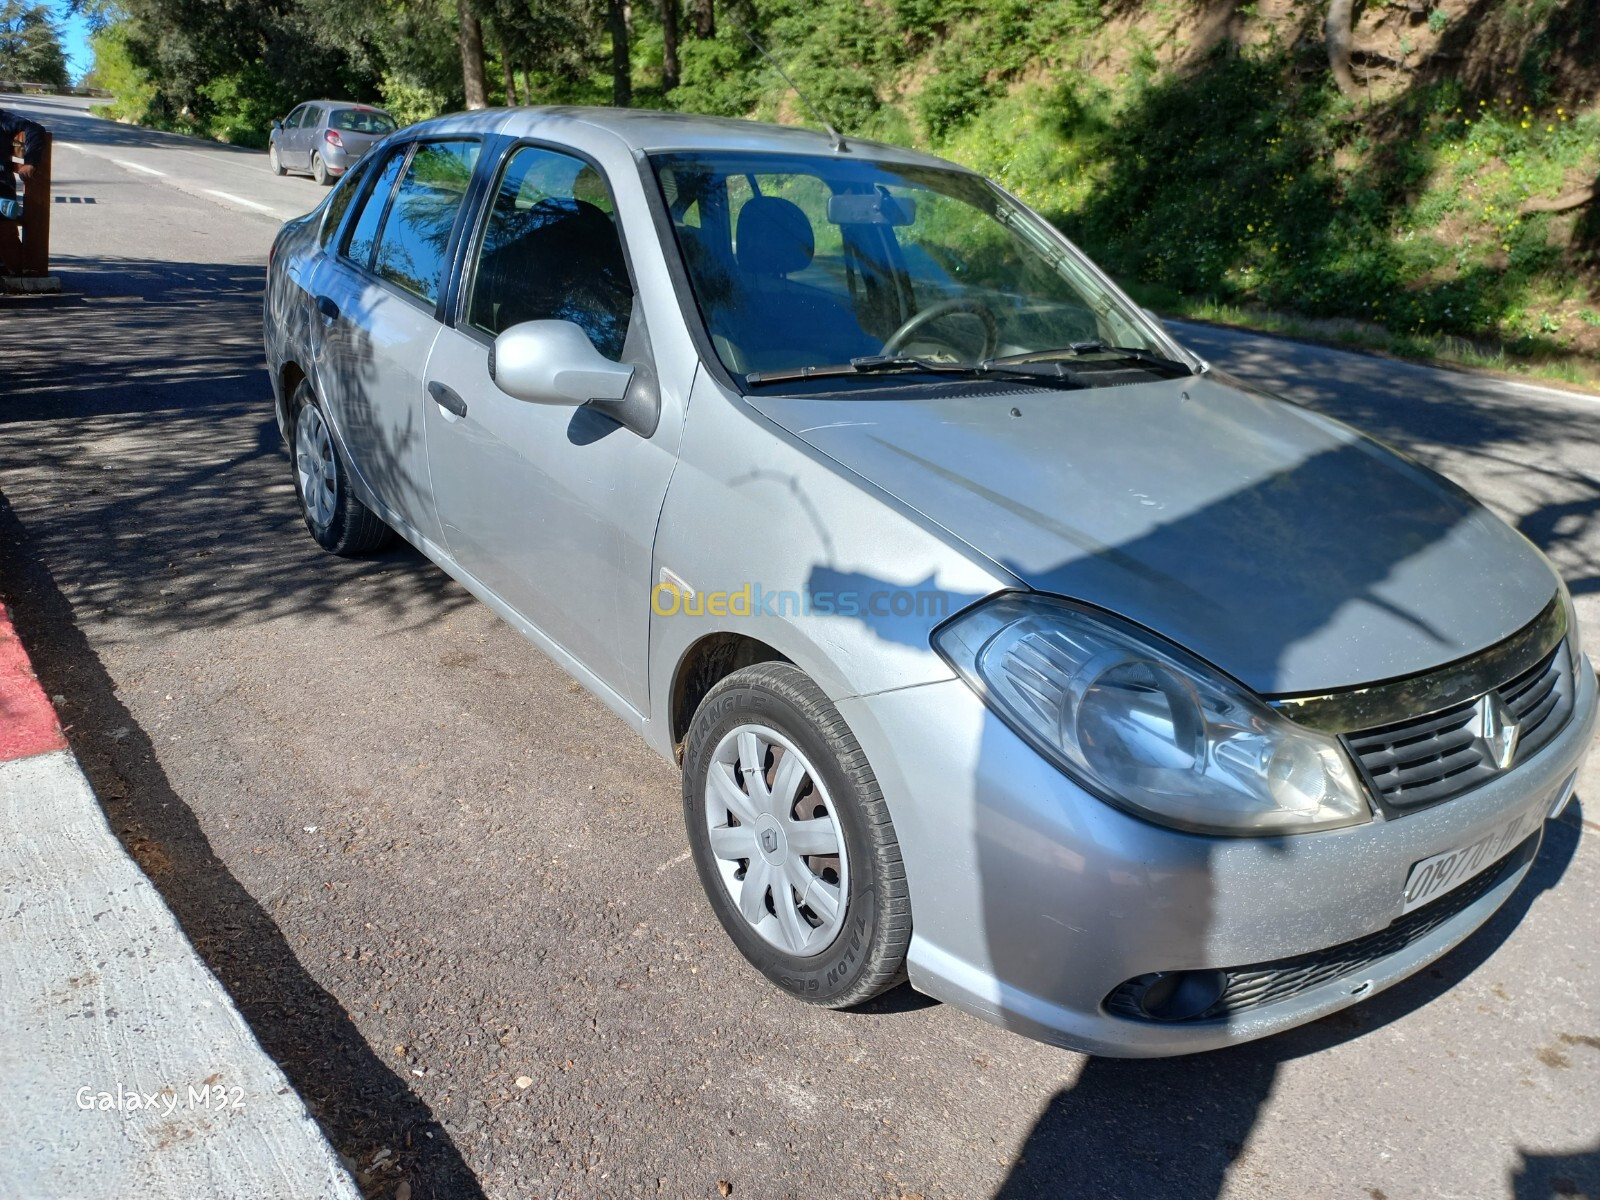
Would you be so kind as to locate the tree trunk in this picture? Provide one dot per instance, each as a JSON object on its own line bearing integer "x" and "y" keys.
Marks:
{"x": 1341, "y": 13}
{"x": 621, "y": 65}
{"x": 511, "y": 80}
{"x": 705, "y": 18}
{"x": 527, "y": 85}
{"x": 473, "y": 81}
{"x": 670, "y": 16}
{"x": 1563, "y": 203}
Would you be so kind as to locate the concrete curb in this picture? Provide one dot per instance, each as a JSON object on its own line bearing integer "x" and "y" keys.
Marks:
{"x": 130, "y": 1071}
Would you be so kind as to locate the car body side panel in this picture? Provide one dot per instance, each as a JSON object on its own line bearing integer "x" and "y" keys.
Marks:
{"x": 370, "y": 373}
{"x": 788, "y": 523}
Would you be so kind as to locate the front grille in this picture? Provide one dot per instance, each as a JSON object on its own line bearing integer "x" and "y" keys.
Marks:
{"x": 1437, "y": 757}
{"x": 1265, "y": 983}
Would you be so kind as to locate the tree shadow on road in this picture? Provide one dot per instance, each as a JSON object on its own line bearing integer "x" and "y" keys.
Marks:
{"x": 140, "y": 413}
{"x": 145, "y": 397}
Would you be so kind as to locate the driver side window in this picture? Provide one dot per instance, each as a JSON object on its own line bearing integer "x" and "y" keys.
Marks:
{"x": 551, "y": 251}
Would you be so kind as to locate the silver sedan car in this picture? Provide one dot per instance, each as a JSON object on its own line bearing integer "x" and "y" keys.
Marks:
{"x": 325, "y": 137}
{"x": 1005, "y": 645}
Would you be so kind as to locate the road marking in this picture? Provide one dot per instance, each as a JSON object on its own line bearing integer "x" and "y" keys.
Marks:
{"x": 133, "y": 166}
{"x": 241, "y": 200}
{"x": 1550, "y": 392}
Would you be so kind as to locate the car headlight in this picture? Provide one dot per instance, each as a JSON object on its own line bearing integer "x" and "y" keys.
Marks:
{"x": 1574, "y": 641}
{"x": 1144, "y": 725}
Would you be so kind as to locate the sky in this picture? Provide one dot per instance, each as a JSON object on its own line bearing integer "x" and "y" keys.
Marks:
{"x": 75, "y": 41}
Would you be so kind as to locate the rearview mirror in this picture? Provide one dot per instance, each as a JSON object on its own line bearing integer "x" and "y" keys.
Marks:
{"x": 554, "y": 362}
{"x": 870, "y": 208}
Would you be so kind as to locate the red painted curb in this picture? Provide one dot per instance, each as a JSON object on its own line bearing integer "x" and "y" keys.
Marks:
{"x": 28, "y": 723}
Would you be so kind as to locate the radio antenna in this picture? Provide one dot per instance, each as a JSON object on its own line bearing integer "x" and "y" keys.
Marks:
{"x": 834, "y": 135}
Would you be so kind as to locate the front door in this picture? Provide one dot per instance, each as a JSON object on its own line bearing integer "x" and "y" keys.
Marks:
{"x": 377, "y": 298}
{"x": 552, "y": 508}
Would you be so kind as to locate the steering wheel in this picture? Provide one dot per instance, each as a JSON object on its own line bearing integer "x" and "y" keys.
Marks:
{"x": 937, "y": 312}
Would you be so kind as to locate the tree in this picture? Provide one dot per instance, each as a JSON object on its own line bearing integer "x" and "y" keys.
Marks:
{"x": 671, "y": 16}
{"x": 704, "y": 17}
{"x": 30, "y": 45}
{"x": 621, "y": 63}
{"x": 474, "y": 83}
{"x": 1341, "y": 14}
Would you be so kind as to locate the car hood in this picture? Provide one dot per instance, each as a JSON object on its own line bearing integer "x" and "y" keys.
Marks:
{"x": 1286, "y": 549}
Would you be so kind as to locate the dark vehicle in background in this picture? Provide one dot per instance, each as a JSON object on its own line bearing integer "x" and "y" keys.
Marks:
{"x": 326, "y": 137}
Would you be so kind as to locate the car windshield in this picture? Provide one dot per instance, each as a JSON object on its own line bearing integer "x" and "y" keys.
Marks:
{"x": 806, "y": 261}
{"x": 363, "y": 120}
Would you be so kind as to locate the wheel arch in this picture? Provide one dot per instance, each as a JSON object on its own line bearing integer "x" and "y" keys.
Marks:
{"x": 705, "y": 664}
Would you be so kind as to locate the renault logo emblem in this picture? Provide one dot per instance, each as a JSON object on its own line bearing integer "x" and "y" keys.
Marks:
{"x": 769, "y": 840}
{"x": 1497, "y": 730}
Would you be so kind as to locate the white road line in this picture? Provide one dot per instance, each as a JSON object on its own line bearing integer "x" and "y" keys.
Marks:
{"x": 229, "y": 196}
{"x": 133, "y": 166}
{"x": 1551, "y": 393}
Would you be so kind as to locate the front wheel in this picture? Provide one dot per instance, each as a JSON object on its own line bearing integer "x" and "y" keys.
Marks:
{"x": 792, "y": 838}
{"x": 336, "y": 518}
{"x": 319, "y": 170}
{"x": 272, "y": 158}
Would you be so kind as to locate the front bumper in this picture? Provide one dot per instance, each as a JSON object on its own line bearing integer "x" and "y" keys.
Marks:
{"x": 1033, "y": 901}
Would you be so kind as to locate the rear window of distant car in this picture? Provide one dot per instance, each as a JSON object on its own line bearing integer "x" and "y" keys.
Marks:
{"x": 363, "y": 120}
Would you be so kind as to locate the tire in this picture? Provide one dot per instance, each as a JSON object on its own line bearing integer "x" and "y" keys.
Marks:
{"x": 835, "y": 959}
{"x": 319, "y": 170}
{"x": 336, "y": 519}
{"x": 272, "y": 157}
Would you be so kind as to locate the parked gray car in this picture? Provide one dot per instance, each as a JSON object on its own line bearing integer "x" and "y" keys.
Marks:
{"x": 1004, "y": 644}
{"x": 326, "y": 137}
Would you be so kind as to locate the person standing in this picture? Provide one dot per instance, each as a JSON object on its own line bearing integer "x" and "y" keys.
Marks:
{"x": 33, "y": 135}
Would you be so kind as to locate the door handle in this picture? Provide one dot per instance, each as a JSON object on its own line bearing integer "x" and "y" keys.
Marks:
{"x": 328, "y": 309}
{"x": 446, "y": 398}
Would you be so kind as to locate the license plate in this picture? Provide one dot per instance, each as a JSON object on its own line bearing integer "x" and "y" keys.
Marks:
{"x": 1433, "y": 877}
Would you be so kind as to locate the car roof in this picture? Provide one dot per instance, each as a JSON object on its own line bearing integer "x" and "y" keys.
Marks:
{"x": 343, "y": 104}
{"x": 654, "y": 132}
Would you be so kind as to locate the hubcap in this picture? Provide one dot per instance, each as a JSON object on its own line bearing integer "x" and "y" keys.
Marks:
{"x": 776, "y": 839}
{"x": 314, "y": 468}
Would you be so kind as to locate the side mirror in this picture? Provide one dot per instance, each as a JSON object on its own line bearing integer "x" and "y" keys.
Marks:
{"x": 277, "y": 122}
{"x": 554, "y": 362}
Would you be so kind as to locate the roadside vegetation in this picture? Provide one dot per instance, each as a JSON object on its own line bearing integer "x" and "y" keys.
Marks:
{"x": 1424, "y": 178}
{"x": 30, "y": 45}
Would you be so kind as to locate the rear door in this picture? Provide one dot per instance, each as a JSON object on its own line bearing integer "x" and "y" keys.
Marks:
{"x": 306, "y": 136}
{"x": 377, "y": 298}
{"x": 288, "y": 144}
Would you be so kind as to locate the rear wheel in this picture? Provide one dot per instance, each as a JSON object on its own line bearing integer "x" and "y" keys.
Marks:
{"x": 793, "y": 840}
{"x": 319, "y": 170}
{"x": 272, "y": 157}
{"x": 339, "y": 522}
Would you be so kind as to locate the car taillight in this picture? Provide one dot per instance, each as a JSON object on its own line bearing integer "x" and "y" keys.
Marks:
{"x": 333, "y": 139}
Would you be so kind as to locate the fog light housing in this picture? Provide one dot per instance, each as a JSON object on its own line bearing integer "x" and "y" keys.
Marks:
{"x": 1181, "y": 995}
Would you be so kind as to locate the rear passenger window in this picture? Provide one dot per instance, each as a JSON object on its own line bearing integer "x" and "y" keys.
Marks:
{"x": 551, "y": 251}
{"x": 363, "y": 235}
{"x": 339, "y": 202}
{"x": 416, "y": 233}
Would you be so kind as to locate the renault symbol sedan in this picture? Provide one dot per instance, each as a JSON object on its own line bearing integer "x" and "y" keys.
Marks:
{"x": 1005, "y": 645}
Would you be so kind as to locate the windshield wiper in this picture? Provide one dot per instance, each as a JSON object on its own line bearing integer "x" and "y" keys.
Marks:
{"x": 893, "y": 364}
{"x": 867, "y": 365}
{"x": 1079, "y": 349}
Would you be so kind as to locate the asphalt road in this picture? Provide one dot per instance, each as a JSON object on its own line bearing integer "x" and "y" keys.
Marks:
{"x": 427, "y": 866}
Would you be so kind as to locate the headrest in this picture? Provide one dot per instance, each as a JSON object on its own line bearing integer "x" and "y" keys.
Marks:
{"x": 774, "y": 237}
